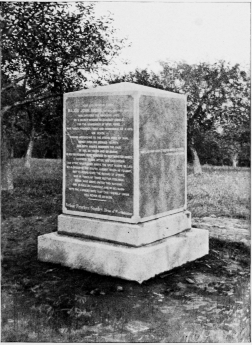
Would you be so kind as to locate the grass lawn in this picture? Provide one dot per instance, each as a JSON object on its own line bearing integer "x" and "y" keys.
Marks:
{"x": 203, "y": 301}
{"x": 222, "y": 191}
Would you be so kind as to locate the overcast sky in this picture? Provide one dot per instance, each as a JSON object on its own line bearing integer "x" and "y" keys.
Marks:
{"x": 181, "y": 31}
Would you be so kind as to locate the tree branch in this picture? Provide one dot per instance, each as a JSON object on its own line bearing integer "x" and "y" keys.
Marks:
{"x": 27, "y": 101}
{"x": 35, "y": 89}
{"x": 31, "y": 119}
{"x": 13, "y": 84}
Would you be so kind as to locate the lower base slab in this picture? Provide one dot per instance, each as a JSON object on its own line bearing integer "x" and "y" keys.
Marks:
{"x": 130, "y": 263}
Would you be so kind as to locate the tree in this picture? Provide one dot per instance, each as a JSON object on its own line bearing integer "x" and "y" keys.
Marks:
{"x": 51, "y": 48}
{"x": 139, "y": 76}
{"x": 216, "y": 93}
{"x": 48, "y": 49}
{"x": 6, "y": 168}
{"x": 208, "y": 88}
{"x": 234, "y": 125}
{"x": 234, "y": 142}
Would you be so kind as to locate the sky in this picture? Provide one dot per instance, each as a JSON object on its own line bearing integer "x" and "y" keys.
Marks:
{"x": 193, "y": 32}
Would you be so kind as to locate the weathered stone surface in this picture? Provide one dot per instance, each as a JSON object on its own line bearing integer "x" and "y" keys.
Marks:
{"x": 162, "y": 129}
{"x": 124, "y": 154}
{"x": 137, "y": 326}
{"x": 162, "y": 183}
{"x": 161, "y": 122}
{"x": 129, "y": 263}
{"x": 131, "y": 234}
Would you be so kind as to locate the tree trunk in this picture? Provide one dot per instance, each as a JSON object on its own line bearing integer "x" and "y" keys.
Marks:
{"x": 45, "y": 153}
{"x": 6, "y": 166}
{"x": 12, "y": 151}
{"x": 234, "y": 158}
{"x": 58, "y": 156}
{"x": 197, "y": 170}
{"x": 28, "y": 155}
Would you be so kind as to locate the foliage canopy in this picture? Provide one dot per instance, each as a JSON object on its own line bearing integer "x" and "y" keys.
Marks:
{"x": 218, "y": 97}
{"x": 52, "y": 46}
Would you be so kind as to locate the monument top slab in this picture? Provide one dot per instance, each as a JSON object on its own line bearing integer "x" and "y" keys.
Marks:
{"x": 126, "y": 87}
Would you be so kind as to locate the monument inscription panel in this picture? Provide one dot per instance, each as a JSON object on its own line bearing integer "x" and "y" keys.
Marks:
{"x": 99, "y": 155}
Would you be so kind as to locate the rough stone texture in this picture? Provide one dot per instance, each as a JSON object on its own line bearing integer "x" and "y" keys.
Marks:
{"x": 162, "y": 183}
{"x": 162, "y": 154}
{"x": 138, "y": 264}
{"x": 130, "y": 234}
{"x": 161, "y": 122}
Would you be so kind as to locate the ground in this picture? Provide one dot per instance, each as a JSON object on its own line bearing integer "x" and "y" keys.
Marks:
{"x": 207, "y": 300}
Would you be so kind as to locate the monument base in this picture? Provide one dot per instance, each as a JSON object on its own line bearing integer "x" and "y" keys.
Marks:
{"x": 127, "y": 262}
{"x": 135, "y": 235}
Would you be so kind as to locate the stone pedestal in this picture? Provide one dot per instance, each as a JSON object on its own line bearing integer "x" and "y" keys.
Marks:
{"x": 124, "y": 184}
{"x": 131, "y": 263}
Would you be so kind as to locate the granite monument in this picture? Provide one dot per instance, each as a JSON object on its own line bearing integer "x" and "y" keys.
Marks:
{"x": 124, "y": 184}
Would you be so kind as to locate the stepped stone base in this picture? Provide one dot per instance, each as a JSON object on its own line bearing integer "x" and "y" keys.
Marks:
{"x": 127, "y": 262}
{"x": 124, "y": 233}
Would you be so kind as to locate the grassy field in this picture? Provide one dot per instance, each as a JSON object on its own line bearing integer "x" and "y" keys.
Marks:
{"x": 43, "y": 302}
{"x": 222, "y": 191}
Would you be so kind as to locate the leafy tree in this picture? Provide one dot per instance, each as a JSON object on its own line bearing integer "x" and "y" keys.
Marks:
{"x": 51, "y": 48}
{"x": 235, "y": 124}
{"x": 216, "y": 94}
{"x": 234, "y": 143}
{"x": 231, "y": 131}
{"x": 48, "y": 48}
{"x": 209, "y": 88}
{"x": 139, "y": 76}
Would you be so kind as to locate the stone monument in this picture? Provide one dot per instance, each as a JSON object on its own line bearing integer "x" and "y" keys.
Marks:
{"x": 124, "y": 184}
